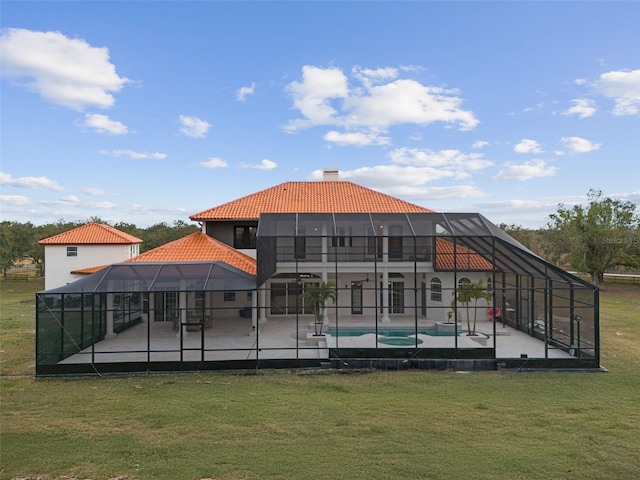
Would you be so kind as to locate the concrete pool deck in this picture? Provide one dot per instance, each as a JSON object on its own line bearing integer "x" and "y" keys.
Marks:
{"x": 276, "y": 339}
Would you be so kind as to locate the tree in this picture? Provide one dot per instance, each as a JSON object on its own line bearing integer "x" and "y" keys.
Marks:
{"x": 466, "y": 293}
{"x": 162, "y": 233}
{"x": 317, "y": 297}
{"x": 597, "y": 237}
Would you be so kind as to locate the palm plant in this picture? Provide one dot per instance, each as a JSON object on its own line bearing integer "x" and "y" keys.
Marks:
{"x": 317, "y": 296}
{"x": 466, "y": 293}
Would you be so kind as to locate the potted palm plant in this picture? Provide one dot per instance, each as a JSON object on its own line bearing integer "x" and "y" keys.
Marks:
{"x": 317, "y": 297}
{"x": 467, "y": 293}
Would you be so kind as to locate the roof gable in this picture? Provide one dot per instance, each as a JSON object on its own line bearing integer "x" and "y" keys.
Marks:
{"x": 198, "y": 247}
{"x": 310, "y": 197}
{"x": 92, "y": 234}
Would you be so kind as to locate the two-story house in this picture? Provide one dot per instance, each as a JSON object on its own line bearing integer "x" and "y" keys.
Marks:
{"x": 411, "y": 287}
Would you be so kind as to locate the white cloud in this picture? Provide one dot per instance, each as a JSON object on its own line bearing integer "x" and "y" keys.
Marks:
{"x": 527, "y": 146}
{"x": 370, "y": 76}
{"x": 356, "y": 138}
{"x": 15, "y": 200}
{"x": 480, "y": 144}
{"x": 437, "y": 193}
{"x": 94, "y": 192}
{"x": 213, "y": 162}
{"x": 103, "y": 124}
{"x": 29, "y": 182}
{"x": 135, "y": 155}
{"x": 105, "y": 205}
{"x": 579, "y": 144}
{"x": 580, "y": 81}
{"x": 244, "y": 92}
{"x": 623, "y": 87}
{"x": 582, "y": 107}
{"x": 448, "y": 159}
{"x": 379, "y": 101}
{"x": 407, "y": 101}
{"x": 266, "y": 165}
{"x": 194, "y": 127}
{"x": 386, "y": 176}
{"x": 62, "y": 70}
{"x": 69, "y": 200}
{"x": 406, "y": 181}
{"x": 312, "y": 96}
{"x": 525, "y": 171}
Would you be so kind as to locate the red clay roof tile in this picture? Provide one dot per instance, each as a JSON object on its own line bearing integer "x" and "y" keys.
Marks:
{"x": 91, "y": 234}
{"x": 310, "y": 197}
{"x": 198, "y": 247}
{"x": 465, "y": 259}
{"x": 88, "y": 271}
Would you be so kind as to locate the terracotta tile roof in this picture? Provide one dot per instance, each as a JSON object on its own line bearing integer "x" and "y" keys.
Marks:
{"x": 198, "y": 247}
{"x": 91, "y": 234}
{"x": 88, "y": 271}
{"x": 310, "y": 197}
{"x": 465, "y": 259}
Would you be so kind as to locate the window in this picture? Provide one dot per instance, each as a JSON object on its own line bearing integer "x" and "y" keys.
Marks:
{"x": 72, "y": 251}
{"x": 244, "y": 236}
{"x": 342, "y": 240}
{"x": 300, "y": 244}
{"x": 436, "y": 290}
{"x": 463, "y": 281}
{"x": 229, "y": 296}
{"x": 395, "y": 241}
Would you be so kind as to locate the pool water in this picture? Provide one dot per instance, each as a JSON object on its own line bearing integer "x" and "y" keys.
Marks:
{"x": 400, "y": 341}
{"x": 397, "y": 332}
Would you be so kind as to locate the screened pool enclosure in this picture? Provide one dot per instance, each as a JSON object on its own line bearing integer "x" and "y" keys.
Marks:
{"x": 421, "y": 290}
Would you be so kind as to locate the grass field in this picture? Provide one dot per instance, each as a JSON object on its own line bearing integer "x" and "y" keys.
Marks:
{"x": 323, "y": 425}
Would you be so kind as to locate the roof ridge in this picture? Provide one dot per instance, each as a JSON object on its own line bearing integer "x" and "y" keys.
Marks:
{"x": 338, "y": 196}
{"x": 88, "y": 234}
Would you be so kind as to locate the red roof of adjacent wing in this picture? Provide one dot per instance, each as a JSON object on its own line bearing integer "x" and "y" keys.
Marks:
{"x": 198, "y": 247}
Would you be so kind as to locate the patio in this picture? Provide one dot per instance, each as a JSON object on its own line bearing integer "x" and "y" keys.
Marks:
{"x": 235, "y": 339}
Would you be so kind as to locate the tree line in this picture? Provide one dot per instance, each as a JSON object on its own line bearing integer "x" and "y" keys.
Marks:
{"x": 593, "y": 239}
{"x": 19, "y": 241}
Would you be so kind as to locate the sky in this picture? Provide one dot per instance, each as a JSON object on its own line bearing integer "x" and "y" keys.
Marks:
{"x": 151, "y": 111}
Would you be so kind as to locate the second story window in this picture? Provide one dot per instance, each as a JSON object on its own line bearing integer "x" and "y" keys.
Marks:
{"x": 244, "y": 236}
{"x": 72, "y": 251}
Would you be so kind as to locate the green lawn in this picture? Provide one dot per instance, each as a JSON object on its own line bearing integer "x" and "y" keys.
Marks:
{"x": 311, "y": 424}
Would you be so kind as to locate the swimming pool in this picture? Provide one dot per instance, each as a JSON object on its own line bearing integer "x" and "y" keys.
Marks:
{"x": 388, "y": 331}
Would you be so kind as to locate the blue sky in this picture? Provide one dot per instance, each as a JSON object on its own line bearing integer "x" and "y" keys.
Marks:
{"x": 148, "y": 111}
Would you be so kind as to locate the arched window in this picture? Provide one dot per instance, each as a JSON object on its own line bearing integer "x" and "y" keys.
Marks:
{"x": 436, "y": 290}
{"x": 463, "y": 280}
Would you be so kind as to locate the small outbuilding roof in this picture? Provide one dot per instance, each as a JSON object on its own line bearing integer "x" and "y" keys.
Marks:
{"x": 92, "y": 234}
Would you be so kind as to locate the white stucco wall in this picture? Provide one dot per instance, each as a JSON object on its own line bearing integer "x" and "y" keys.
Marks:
{"x": 58, "y": 266}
